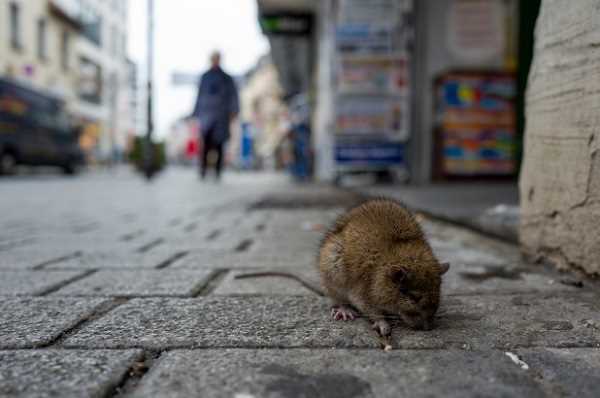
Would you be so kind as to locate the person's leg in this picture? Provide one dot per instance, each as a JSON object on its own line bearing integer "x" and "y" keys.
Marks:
{"x": 201, "y": 157}
{"x": 219, "y": 164}
{"x": 205, "y": 151}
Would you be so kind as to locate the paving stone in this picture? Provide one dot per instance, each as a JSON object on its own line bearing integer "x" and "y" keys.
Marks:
{"x": 32, "y": 322}
{"x": 90, "y": 243}
{"x": 22, "y": 282}
{"x": 136, "y": 283}
{"x": 59, "y": 373}
{"x": 10, "y": 241}
{"x": 226, "y": 260}
{"x": 272, "y": 285}
{"x": 118, "y": 259}
{"x": 458, "y": 239}
{"x": 27, "y": 258}
{"x": 472, "y": 322}
{"x": 202, "y": 243}
{"x": 339, "y": 373}
{"x": 566, "y": 371}
{"x": 268, "y": 245}
{"x": 547, "y": 319}
{"x": 464, "y": 278}
{"x": 220, "y": 321}
{"x": 207, "y": 258}
{"x": 467, "y": 256}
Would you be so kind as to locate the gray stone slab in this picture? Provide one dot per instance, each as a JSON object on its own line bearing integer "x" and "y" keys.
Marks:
{"x": 31, "y": 257}
{"x": 226, "y": 260}
{"x": 220, "y": 321}
{"x": 32, "y": 322}
{"x": 272, "y": 285}
{"x": 574, "y": 372}
{"x": 190, "y": 243}
{"x": 350, "y": 373}
{"x": 60, "y": 373}
{"x": 22, "y": 282}
{"x": 468, "y": 278}
{"x": 456, "y": 239}
{"x": 459, "y": 254}
{"x": 137, "y": 283}
{"x": 207, "y": 258}
{"x": 473, "y": 322}
{"x": 292, "y": 247}
{"x": 116, "y": 259}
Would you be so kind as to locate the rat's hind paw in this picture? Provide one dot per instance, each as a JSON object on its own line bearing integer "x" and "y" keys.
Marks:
{"x": 342, "y": 313}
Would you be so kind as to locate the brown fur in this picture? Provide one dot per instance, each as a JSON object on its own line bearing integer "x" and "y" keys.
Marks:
{"x": 376, "y": 258}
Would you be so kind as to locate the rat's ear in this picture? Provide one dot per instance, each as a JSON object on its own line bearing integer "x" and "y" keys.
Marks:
{"x": 399, "y": 275}
{"x": 444, "y": 267}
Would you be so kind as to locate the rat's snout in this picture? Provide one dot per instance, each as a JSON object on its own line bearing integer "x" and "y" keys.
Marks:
{"x": 418, "y": 321}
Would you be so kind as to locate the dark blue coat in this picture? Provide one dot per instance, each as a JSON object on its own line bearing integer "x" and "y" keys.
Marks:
{"x": 216, "y": 103}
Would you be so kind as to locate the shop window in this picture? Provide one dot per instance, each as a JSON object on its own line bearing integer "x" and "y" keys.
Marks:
{"x": 90, "y": 81}
{"x": 115, "y": 41}
{"x": 92, "y": 25}
{"x": 42, "y": 39}
{"x": 15, "y": 26}
{"x": 124, "y": 45}
{"x": 64, "y": 50}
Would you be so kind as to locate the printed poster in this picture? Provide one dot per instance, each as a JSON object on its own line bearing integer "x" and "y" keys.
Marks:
{"x": 373, "y": 42}
{"x": 369, "y": 116}
{"x": 477, "y": 120}
{"x": 374, "y": 75}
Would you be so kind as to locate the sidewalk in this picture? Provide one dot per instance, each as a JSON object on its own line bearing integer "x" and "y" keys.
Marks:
{"x": 491, "y": 208}
{"x": 124, "y": 289}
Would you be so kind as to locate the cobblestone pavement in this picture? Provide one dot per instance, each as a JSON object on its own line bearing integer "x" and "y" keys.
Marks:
{"x": 113, "y": 287}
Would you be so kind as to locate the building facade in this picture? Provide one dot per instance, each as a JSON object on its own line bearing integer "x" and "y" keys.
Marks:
{"x": 432, "y": 89}
{"x": 76, "y": 49}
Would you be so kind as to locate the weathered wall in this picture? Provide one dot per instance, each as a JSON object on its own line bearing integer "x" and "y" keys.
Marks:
{"x": 560, "y": 178}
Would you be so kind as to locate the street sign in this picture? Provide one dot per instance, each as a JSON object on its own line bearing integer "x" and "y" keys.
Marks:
{"x": 286, "y": 24}
{"x": 369, "y": 154}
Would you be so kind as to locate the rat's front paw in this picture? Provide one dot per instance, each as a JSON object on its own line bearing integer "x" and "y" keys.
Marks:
{"x": 382, "y": 327}
{"x": 342, "y": 313}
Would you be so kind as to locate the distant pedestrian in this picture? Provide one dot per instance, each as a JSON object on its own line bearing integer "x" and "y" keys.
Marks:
{"x": 216, "y": 106}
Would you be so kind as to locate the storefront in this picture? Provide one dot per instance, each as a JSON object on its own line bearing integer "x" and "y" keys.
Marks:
{"x": 429, "y": 89}
{"x": 471, "y": 60}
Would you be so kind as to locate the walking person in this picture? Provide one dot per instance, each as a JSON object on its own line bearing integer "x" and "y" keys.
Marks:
{"x": 216, "y": 106}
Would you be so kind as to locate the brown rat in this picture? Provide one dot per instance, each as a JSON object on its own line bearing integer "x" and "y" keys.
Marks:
{"x": 376, "y": 259}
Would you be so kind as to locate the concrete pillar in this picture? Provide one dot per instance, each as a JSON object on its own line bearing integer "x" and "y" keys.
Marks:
{"x": 324, "y": 115}
{"x": 560, "y": 177}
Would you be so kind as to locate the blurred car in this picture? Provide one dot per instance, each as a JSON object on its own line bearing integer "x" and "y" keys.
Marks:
{"x": 35, "y": 130}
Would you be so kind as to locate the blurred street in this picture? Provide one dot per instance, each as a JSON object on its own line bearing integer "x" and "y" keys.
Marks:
{"x": 111, "y": 286}
{"x": 155, "y": 154}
